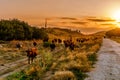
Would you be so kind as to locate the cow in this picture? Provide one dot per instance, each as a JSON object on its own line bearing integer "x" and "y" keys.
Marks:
{"x": 31, "y": 54}
{"x": 34, "y": 43}
{"x": 59, "y": 41}
{"x": 70, "y": 44}
{"x": 52, "y": 45}
{"x": 18, "y": 45}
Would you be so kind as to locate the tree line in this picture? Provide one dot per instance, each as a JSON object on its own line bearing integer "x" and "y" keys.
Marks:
{"x": 15, "y": 29}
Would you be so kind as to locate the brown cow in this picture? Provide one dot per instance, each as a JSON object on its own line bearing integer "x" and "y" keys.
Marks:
{"x": 31, "y": 54}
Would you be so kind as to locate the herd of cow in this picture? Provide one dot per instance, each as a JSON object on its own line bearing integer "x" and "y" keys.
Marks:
{"x": 32, "y": 52}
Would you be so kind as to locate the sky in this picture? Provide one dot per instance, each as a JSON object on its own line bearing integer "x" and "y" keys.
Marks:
{"x": 86, "y": 15}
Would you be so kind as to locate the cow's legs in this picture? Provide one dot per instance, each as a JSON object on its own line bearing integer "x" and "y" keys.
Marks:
{"x": 32, "y": 59}
{"x": 28, "y": 60}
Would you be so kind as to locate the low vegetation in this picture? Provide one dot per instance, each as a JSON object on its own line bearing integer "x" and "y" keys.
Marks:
{"x": 114, "y": 34}
{"x": 61, "y": 63}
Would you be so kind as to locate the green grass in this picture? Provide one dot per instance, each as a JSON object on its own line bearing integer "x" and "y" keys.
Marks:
{"x": 92, "y": 58}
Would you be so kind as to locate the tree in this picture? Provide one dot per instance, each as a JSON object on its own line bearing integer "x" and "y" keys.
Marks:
{"x": 19, "y": 30}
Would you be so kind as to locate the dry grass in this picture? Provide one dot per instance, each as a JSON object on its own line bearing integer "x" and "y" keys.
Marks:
{"x": 63, "y": 75}
{"x": 64, "y": 63}
{"x": 117, "y": 39}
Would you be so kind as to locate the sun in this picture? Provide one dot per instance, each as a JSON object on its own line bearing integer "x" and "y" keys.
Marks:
{"x": 116, "y": 15}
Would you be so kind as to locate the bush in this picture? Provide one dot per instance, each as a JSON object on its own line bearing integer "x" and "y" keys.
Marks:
{"x": 79, "y": 74}
{"x": 92, "y": 57}
{"x": 63, "y": 75}
{"x": 46, "y": 44}
{"x": 18, "y": 76}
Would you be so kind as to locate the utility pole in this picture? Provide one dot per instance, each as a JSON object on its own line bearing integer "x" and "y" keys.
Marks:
{"x": 45, "y": 22}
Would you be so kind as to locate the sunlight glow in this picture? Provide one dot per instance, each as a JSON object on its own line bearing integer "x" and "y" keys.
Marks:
{"x": 116, "y": 15}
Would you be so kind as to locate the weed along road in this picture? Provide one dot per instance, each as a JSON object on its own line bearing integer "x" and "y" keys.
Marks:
{"x": 108, "y": 65}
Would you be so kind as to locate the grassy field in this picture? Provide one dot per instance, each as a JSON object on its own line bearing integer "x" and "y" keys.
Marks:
{"x": 9, "y": 52}
{"x": 60, "y": 64}
{"x": 117, "y": 39}
{"x": 114, "y": 34}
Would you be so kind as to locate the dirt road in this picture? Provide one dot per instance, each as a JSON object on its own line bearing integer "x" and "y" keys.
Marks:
{"x": 108, "y": 64}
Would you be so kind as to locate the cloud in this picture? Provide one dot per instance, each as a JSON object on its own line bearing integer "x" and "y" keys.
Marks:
{"x": 64, "y": 22}
{"x": 118, "y": 22}
{"x": 108, "y": 24}
{"x": 79, "y": 23}
{"x": 68, "y": 18}
{"x": 51, "y": 18}
{"x": 100, "y": 20}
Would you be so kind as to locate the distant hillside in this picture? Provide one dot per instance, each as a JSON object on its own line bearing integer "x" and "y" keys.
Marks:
{"x": 113, "y": 33}
{"x": 101, "y": 33}
{"x": 58, "y": 32}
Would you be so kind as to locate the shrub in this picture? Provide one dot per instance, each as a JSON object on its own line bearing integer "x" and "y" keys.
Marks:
{"x": 18, "y": 76}
{"x": 46, "y": 44}
{"x": 92, "y": 57}
{"x": 79, "y": 74}
{"x": 63, "y": 75}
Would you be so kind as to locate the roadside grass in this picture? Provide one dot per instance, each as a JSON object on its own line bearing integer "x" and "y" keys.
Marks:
{"x": 64, "y": 64}
{"x": 117, "y": 39}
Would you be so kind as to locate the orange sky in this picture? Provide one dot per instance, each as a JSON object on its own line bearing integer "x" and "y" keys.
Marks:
{"x": 86, "y": 15}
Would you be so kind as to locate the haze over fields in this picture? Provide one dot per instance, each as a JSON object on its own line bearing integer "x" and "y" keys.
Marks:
{"x": 87, "y": 15}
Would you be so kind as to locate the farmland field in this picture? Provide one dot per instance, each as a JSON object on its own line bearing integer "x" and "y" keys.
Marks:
{"x": 61, "y": 63}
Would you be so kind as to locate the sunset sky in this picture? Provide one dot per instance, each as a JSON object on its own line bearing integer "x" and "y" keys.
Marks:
{"x": 86, "y": 15}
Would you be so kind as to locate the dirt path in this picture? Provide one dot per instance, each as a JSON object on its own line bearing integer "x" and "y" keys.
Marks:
{"x": 108, "y": 65}
{"x": 10, "y": 68}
